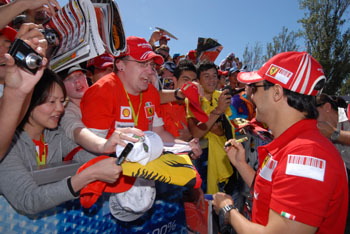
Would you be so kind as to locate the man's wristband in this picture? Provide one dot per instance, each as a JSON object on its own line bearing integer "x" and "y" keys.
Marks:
{"x": 335, "y": 135}
{"x": 176, "y": 96}
{"x": 70, "y": 187}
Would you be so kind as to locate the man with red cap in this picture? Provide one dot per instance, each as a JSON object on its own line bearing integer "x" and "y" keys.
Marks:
{"x": 301, "y": 184}
{"x": 125, "y": 98}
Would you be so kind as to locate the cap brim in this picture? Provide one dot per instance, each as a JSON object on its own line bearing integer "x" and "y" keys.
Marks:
{"x": 191, "y": 92}
{"x": 158, "y": 59}
{"x": 199, "y": 113}
{"x": 9, "y": 32}
{"x": 105, "y": 65}
{"x": 249, "y": 77}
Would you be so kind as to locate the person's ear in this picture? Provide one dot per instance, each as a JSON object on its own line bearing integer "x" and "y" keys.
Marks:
{"x": 277, "y": 92}
{"x": 120, "y": 65}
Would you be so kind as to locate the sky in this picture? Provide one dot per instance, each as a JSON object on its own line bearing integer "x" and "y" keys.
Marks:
{"x": 233, "y": 23}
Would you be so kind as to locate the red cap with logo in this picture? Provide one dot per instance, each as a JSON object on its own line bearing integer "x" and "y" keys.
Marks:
{"x": 296, "y": 71}
{"x": 103, "y": 61}
{"x": 9, "y": 32}
{"x": 140, "y": 50}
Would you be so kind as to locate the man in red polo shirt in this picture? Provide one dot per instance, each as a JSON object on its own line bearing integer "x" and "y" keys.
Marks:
{"x": 301, "y": 184}
{"x": 125, "y": 98}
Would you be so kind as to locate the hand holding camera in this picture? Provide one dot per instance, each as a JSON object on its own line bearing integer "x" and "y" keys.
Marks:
{"x": 223, "y": 102}
{"x": 25, "y": 57}
{"x": 27, "y": 52}
{"x": 231, "y": 91}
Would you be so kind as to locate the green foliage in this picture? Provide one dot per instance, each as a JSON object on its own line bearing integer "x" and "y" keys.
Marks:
{"x": 282, "y": 43}
{"x": 285, "y": 41}
{"x": 327, "y": 40}
{"x": 252, "y": 57}
{"x": 326, "y": 37}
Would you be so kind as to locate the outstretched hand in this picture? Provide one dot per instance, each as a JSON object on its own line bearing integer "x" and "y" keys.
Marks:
{"x": 119, "y": 137}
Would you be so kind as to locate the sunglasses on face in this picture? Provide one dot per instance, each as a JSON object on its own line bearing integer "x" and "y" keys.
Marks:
{"x": 255, "y": 87}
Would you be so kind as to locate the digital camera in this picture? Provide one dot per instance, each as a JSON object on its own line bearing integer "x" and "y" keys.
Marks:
{"x": 24, "y": 56}
{"x": 50, "y": 36}
{"x": 232, "y": 92}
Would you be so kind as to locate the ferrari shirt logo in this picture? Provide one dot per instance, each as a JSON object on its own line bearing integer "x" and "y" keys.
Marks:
{"x": 125, "y": 112}
{"x": 149, "y": 110}
{"x": 267, "y": 169}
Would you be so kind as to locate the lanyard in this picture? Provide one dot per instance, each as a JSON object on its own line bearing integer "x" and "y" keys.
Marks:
{"x": 41, "y": 160}
{"x": 132, "y": 109}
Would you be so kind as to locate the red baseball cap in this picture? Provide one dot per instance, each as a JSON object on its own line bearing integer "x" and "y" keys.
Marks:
{"x": 103, "y": 61}
{"x": 296, "y": 71}
{"x": 220, "y": 72}
{"x": 9, "y": 32}
{"x": 140, "y": 50}
{"x": 190, "y": 90}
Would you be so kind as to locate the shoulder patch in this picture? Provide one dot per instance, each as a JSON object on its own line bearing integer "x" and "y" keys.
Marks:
{"x": 269, "y": 166}
{"x": 306, "y": 166}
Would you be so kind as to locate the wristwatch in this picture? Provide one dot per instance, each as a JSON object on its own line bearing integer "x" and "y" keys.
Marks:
{"x": 224, "y": 215}
{"x": 176, "y": 96}
{"x": 335, "y": 135}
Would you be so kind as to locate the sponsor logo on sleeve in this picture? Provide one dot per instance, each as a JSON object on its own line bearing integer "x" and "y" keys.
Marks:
{"x": 279, "y": 73}
{"x": 306, "y": 166}
{"x": 125, "y": 112}
{"x": 269, "y": 166}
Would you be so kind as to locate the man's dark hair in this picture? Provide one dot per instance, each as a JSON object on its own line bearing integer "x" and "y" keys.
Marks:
{"x": 184, "y": 65}
{"x": 204, "y": 66}
{"x": 301, "y": 102}
{"x": 335, "y": 101}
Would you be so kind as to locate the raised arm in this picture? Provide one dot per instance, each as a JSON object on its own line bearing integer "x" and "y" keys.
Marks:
{"x": 9, "y": 11}
{"x": 18, "y": 89}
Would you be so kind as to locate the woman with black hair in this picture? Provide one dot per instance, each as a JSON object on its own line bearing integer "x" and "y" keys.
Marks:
{"x": 37, "y": 142}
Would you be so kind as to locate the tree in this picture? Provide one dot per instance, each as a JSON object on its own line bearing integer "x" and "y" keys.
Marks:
{"x": 282, "y": 43}
{"x": 252, "y": 57}
{"x": 326, "y": 39}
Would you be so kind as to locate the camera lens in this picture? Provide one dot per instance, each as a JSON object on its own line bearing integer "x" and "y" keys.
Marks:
{"x": 51, "y": 38}
{"x": 33, "y": 61}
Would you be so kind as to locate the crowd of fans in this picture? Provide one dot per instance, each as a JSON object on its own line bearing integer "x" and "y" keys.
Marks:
{"x": 107, "y": 101}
